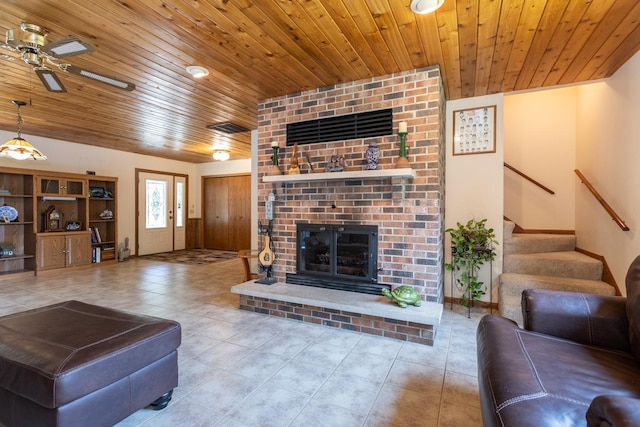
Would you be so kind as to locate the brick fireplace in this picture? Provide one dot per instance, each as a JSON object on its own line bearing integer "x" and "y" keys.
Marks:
{"x": 408, "y": 212}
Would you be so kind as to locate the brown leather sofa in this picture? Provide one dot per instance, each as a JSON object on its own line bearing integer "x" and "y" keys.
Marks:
{"x": 575, "y": 362}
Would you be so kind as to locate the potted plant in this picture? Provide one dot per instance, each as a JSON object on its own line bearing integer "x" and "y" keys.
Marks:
{"x": 471, "y": 246}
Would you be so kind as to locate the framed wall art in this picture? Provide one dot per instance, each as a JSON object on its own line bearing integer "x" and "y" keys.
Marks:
{"x": 474, "y": 130}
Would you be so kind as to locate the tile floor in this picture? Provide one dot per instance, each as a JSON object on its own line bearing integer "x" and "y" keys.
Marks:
{"x": 241, "y": 369}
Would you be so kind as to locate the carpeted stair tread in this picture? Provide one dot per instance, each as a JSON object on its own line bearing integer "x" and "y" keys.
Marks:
{"x": 510, "y": 307}
{"x": 562, "y": 264}
{"x": 512, "y": 284}
{"x": 507, "y": 230}
{"x": 536, "y": 243}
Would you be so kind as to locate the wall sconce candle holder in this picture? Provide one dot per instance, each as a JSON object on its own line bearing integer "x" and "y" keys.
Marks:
{"x": 402, "y": 161}
{"x": 275, "y": 169}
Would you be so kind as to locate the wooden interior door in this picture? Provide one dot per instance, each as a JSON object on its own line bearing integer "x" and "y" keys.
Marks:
{"x": 216, "y": 212}
{"x": 226, "y": 214}
{"x": 240, "y": 212}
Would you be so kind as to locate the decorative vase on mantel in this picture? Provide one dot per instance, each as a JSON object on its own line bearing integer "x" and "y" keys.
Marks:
{"x": 372, "y": 155}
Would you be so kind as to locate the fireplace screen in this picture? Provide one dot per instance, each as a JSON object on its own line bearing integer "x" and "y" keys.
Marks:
{"x": 338, "y": 256}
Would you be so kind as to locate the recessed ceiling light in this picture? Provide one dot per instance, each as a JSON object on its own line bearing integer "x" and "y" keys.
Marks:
{"x": 197, "y": 71}
{"x": 425, "y": 6}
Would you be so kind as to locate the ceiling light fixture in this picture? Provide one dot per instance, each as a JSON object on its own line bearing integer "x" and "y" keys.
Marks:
{"x": 18, "y": 148}
{"x": 425, "y": 6}
{"x": 221, "y": 155}
{"x": 197, "y": 71}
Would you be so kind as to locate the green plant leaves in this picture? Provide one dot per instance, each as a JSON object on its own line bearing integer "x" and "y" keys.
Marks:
{"x": 471, "y": 246}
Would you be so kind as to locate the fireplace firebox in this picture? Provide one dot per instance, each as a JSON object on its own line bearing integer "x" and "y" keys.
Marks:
{"x": 341, "y": 257}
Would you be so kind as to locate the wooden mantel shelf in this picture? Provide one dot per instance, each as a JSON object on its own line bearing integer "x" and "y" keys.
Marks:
{"x": 331, "y": 176}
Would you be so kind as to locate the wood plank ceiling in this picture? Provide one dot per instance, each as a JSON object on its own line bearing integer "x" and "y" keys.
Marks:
{"x": 260, "y": 49}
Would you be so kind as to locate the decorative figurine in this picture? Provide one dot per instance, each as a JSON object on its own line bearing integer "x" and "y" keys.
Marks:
{"x": 106, "y": 214}
{"x": 403, "y": 295}
{"x": 294, "y": 168}
{"x": 372, "y": 155}
{"x": 336, "y": 164}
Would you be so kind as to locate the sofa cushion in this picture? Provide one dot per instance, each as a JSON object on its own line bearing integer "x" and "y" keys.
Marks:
{"x": 632, "y": 283}
{"x": 56, "y": 354}
{"x": 531, "y": 379}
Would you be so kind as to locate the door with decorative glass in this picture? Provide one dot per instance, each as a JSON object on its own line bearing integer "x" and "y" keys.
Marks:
{"x": 155, "y": 213}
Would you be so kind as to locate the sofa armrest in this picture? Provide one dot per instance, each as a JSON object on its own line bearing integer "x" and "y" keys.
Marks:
{"x": 584, "y": 318}
{"x": 614, "y": 411}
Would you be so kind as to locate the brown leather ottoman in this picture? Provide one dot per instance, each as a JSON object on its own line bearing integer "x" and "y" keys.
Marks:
{"x": 77, "y": 364}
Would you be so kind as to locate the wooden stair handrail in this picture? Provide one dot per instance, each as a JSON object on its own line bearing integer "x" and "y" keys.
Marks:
{"x": 528, "y": 178}
{"x": 604, "y": 204}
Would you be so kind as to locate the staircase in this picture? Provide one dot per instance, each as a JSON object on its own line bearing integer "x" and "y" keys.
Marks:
{"x": 544, "y": 261}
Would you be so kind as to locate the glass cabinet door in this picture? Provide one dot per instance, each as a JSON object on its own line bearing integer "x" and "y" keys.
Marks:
{"x": 76, "y": 187}
{"x": 50, "y": 186}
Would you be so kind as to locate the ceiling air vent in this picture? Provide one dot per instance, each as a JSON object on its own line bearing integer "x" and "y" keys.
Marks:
{"x": 228, "y": 127}
{"x": 352, "y": 126}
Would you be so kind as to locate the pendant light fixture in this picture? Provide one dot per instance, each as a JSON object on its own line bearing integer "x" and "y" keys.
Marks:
{"x": 18, "y": 148}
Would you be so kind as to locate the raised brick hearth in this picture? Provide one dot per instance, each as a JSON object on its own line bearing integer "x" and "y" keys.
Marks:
{"x": 370, "y": 314}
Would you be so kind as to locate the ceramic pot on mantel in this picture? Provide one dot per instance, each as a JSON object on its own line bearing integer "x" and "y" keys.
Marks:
{"x": 372, "y": 155}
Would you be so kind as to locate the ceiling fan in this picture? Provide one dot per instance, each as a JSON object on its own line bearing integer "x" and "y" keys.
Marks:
{"x": 30, "y": 42}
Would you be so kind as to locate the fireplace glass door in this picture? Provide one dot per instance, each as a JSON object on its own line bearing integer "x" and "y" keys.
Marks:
{"x": 336, "y": 251}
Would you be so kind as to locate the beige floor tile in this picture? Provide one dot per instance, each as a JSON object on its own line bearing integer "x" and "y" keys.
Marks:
{"x": 242, "y": 369}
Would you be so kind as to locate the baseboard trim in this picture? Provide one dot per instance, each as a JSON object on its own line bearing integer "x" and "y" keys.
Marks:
{"x": 476, "y": 303}
{"x": 607, "y": 276}
{"x": 518, "y": 229}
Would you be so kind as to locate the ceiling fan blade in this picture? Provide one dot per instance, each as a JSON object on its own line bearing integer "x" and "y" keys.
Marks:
{"x": 7, "y": 57}
{"x": 98, "y": 77}
{"x": 50, "y": 80}
{"x": 69, "y": 46}
{"x": 4, "y": 55}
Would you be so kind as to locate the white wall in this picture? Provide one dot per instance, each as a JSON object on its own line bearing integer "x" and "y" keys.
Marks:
{"x": 474, "y": 186}
{"x": 540, "y": 141}
{"x": 608, "y": 154}
{"x": 234, "y": 167}
{"x": 65, "y": 156}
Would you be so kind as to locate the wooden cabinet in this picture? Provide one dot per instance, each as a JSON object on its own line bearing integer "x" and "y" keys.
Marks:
{"x": 102, "y": 218}
{"x": 17, "y": 237}
{"x": 60, "y": 250}
{"x": 29, "y": 241}
{"x": 61, "y": 186}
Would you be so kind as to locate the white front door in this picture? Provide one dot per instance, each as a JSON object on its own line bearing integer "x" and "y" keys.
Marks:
{"x": 155, "y": 213}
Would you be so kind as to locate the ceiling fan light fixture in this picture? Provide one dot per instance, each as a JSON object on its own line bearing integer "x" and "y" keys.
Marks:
{"x": 221, "y": 155}
{"x": 67, "y": 47}
{"x": 425, "y": 6}
{"x": 197, "y": 71}
{"x": 18, "y": 148}
{"x": 96, "y": 76}
{"x": 50, "y": 80}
